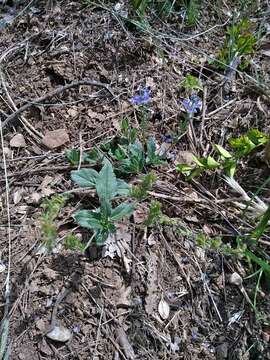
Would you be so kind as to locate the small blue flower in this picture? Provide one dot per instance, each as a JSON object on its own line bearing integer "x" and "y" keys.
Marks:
{"x": 142, "y": 98}
{"x": 193, "y": 104}
{"x": 167, "y": 139}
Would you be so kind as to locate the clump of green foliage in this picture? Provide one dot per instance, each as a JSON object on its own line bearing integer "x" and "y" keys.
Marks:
{"x": 132, "y": 156}
{"x": 72, "y": 242}
{"x": 102, "y": 220}
{"x": 48, "y": 226}
{"x": 227, "y": 161}
{"x": 239, "y": 41}
{"x": 191, "y": 82}
{"x": 140, "y": 191}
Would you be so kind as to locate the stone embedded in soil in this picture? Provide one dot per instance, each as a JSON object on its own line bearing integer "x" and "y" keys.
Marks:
{"x": 17, "y": 141}
{"x": 235, "y": 279}
{"x": 59, "y": 333}
{"x": 56, "y": 138}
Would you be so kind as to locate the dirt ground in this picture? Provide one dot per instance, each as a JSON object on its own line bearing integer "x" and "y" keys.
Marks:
{"x": 114, "y": 307}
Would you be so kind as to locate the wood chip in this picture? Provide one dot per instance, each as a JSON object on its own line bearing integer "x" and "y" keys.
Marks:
{"x": 56, "y": 138}
{"x": 17, "y": 141}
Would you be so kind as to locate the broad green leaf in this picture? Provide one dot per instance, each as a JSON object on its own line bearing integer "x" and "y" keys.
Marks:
{"x": 89, "y": 219}
{"x": 106, "y": 184}
{"x": 101, "y": 236}
{"x": 223, "y": 152}
{"x": 85, "y": 177}
{"x": 105, "y": 209}
{"x": 184, "y": 169}
{"x": 230, "y": 167}
{"x": 122, "y": 187}
{"x": 200, "y": 162}
{"x": 122, "y": 211}
{"x": 212, "y": 163}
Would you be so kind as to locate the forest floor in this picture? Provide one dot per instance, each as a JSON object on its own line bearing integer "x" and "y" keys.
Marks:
{"x": 163, "y": 288}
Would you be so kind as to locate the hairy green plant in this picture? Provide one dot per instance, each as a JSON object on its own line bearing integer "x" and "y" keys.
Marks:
{"x": 239, "y": 41}
{"x": 48, "y": 226}
{"x": 102, "y": 220}
{"x": 241, "y": 146}
{"x": 140, "y": 191}
{"x": 154, "y": 214}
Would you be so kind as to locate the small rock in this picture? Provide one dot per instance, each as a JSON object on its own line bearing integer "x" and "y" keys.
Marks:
{"x": 17, "y": 141}
{"x": 7, "y": 152}
{"x": 184, "y": 157}
{"x": 56, "y": 138}
{"x": 59, "y": 333}
{"x": 164, "y": 309}
{"x": 235, "y": 279}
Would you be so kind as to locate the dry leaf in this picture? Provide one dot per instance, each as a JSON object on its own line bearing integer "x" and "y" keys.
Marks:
{"x": 164, "y": 309}
{"x": 56, "y": 138}
{"x": 17, "y": 141}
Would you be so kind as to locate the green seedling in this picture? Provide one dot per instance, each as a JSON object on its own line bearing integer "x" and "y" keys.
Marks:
{"x": 154, "y": 214}
{"x": 72, "y": 242}
{"x": 102, "y": 220}
{"x": 48, "y": 226}
{"x": 191, "y": 83}
{"x": 239, "y": 41}
{"x": 227, "y": 161}
{"x": 192, "y": 11}
{"x": 140, "y": 192}
{"x": 90, "y": 157}
{"x": 245, "y": 144}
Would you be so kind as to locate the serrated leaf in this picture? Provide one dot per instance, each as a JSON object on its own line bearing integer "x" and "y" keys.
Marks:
{"x": 164, "y": 309}
{"x": 89, "y": 219}
{"x": 122, "y": 211}
{"x": 223, "y": 152}
{"x": 106, "y": 184}
{"x": 85, "y": 177}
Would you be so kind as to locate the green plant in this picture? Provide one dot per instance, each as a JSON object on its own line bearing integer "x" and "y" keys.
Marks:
{"x": 192, "y": 9}
{"x": 241, "y": 146}
{"x": 239, "y": 41}
{"x": 72, "y": 242}
{"x": 91, "y": 157}
{"x": 102, "y": 220}
{"x": 191, "y": 83}
{"x": 140, "y": 192}
{"x": 154, "y": 214}
{"x": 48, "y": 226}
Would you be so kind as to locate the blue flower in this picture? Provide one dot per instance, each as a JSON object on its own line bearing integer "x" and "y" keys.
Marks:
{"x": 193, "y": 104}
{"x": 142, "y": 98}
{"x": 167, "y": 139}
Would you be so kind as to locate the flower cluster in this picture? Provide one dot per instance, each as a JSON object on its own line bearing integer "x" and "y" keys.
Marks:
{"x": 142, "y": 98}
{"x": 193, "y": 104}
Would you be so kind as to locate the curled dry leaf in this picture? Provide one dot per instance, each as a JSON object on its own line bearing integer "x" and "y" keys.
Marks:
{"x": 164, "y": 309}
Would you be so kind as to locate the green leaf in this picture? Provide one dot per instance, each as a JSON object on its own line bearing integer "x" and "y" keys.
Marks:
{"x": 106, "y": 184}
{"x": 89, "y": 219}
{"x": 122, "y": 187}
{"x": 222, "y": 151}
{"x": 191, "y": 82}
{"x": 230, "y": 167}
{"x": 85, "y": 177}
{"x": 184, "y": 169}
{"x": 212, "y": 163}
{"x": 121, "y": 211}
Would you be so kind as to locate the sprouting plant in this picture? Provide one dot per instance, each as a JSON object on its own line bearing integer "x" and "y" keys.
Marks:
{"x": 128, "y": 133}
{"x": 191, "y": 83}
{"x": 102, "y": 220}
{"x": 241, "y": 146}
{"x": 72, "y": 242}
{"x": 48, "y": 226}
{"x": 192, "y": 11}
{"x": 154, "y": 214}
{"x": 140, "y": 191}
{"x": 91, "y": 157}
{"x": 136, "y": 159}
{"x": 239, "y": 41}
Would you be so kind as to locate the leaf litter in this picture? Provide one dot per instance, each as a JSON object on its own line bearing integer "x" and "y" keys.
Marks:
{"x": 140, "y": 296}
